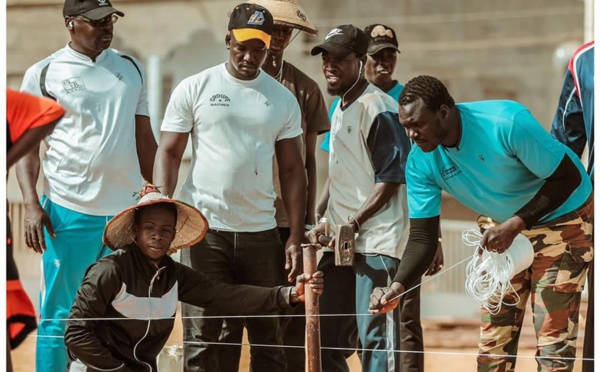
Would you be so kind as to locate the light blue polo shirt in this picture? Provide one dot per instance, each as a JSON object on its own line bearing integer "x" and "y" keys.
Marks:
{"x": 502, "y": 160}
{"x": 394, "y": 93}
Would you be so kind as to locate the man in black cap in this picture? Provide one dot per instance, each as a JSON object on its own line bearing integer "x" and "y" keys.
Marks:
{"x": 96, "y": 156}
{"x": 367, "y": 190}
{"x": 239, "y": 119}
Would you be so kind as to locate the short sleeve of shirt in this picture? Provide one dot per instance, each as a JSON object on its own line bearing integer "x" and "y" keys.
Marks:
{"x": 24, "y": 112}
{"x": 534, "y": 147}
{"x": 389, "y": 148}
{"x": 179, "y": 115}
{"x": 293, "y": 125}
{"x": 142, "y": 106}
{"x": 424, "y": 195}
{"x": 316, "y": 116}
{"x": 31, "y": 81}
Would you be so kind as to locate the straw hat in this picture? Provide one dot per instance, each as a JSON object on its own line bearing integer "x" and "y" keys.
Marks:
{"x": 288, "y": 13}
{"x": 190, "y": 228}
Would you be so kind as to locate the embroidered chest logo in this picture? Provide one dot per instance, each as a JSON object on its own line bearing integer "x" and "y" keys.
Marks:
{"x": 267, "y": 103}
{"x": 119, "y": 76}
{"x": 73, "y": 84}
{"x": 450, "y": 171}
{"x": 482, "y": 158}
{"x": 220, "y": 100}
{"x": 349, "y": 129}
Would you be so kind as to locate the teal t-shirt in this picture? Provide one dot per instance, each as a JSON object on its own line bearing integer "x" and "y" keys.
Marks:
{"x": 394, "y": 93}
{"x": 500, "y": 163}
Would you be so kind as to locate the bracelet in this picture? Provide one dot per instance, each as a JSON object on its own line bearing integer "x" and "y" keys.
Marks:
{"x": 308, "y": 227}
{"x": 350, "y": 218}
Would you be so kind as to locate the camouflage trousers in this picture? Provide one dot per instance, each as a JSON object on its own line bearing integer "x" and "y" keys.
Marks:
{"x": 563, "y": 250}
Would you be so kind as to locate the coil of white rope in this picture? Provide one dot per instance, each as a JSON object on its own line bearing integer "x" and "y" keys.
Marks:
{"x": 489, "y": 274}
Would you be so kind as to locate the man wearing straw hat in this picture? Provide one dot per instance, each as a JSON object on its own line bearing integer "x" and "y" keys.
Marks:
{"x": 124, "y": 310}
{"x": 495, "y": 158}
{"x": 287, "y": 16}
{"x": 240, "y": 120}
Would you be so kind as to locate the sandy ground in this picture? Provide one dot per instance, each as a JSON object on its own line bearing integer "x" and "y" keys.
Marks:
{"x": 450, "y": 346}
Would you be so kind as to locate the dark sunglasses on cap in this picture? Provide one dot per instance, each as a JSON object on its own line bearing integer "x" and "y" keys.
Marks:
{"x": 102, "y": 22}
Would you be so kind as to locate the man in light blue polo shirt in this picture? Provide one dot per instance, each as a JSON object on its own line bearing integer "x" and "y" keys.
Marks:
{"x": 495, "y": 158}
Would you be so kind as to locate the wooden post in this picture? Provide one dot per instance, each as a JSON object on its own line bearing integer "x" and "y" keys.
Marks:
{"x": 313, "y": 329}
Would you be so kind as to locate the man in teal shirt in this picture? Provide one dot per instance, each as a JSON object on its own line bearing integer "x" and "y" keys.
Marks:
{"x": 495, "y": 158}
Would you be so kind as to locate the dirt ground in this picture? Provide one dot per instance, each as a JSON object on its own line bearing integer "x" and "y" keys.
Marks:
{"x": 450, "y": 346}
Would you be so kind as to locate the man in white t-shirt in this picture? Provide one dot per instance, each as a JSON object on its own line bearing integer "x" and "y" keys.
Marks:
{"x": 97, "y": 155}
{"x": 367, "y": 189}
{"x": 239, "y": 118}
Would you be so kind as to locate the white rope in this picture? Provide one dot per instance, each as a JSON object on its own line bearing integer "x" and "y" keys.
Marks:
{"x": 364, "y": 349}
{"x": 430, "y": 278}
{"x": 488, "y": 275}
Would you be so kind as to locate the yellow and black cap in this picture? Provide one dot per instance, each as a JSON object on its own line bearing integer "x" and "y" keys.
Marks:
{"x": 251, "y": 21}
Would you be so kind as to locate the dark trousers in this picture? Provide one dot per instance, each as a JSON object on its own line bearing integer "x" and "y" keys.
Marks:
{"x": 239, "y": 258}
{"x": 292, "y": 324}
{"x": 411, "y": 332}
{"x": 347, "y": 292}
{"x": 337, "y": 298}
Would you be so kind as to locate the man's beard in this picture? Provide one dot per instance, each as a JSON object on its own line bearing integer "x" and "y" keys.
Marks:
{"x": 335, "y": 92}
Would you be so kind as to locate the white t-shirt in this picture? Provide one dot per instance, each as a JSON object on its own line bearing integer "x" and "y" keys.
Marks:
{"x": 91, "y": 165}
{"x": 367, "y": 146}
{"x": 234, "y": 125}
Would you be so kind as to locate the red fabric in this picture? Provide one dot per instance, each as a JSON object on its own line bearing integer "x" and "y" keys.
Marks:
{"x": 24, "y": 112}
{"x": 20, "y": 315}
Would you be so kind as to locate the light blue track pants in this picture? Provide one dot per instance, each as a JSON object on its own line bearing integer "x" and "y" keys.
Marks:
{"x": 77, "y": 245}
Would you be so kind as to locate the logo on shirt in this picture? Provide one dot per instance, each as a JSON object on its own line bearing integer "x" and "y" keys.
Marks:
{"x": 450, "y": 171}
{"x": 482, "y": 158}
{"x": 220, "y": 100}
{"x": 73, "y": 84}
{"x": 102, "y": 2}
{"x": 349, "y": 129}
{"x": 267, "y": 103}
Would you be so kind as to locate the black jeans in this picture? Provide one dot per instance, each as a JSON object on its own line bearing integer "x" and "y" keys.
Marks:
{"x": 293, "y": 323}
{"x": 239, "y": 258}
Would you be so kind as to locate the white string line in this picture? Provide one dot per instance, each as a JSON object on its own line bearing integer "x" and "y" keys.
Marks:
{"x": 202, "y": 343}
{"x": 323, "y": 347}
{"x": 254, "y": 315}
{"x": 430, "y": 278}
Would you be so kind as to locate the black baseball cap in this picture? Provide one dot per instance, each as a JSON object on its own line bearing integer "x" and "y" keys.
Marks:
{"x": 381, "y": 37}
{"x": 251, "y": 21}
{"x": 92, "y": 9}
{"x": 342, "y": 41}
